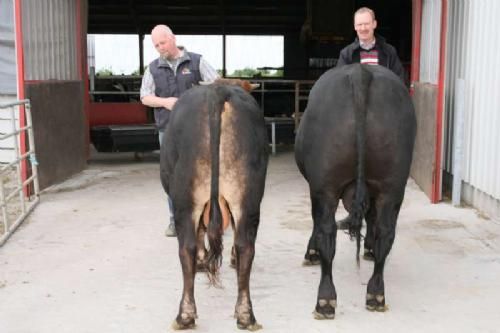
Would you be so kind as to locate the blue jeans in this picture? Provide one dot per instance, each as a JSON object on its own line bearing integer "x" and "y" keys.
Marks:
{"x": 170, "y": 205}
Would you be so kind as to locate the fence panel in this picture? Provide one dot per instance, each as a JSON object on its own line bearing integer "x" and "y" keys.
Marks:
{"x": 18, "y": 195}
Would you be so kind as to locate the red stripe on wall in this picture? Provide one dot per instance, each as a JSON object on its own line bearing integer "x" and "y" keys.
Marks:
{"x": 81, "y": 38}
{"x": 20, "y": 83}
{"x": 436, "y": 180}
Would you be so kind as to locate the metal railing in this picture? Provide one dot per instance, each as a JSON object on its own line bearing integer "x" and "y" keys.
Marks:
{"x": 18, "y": 196}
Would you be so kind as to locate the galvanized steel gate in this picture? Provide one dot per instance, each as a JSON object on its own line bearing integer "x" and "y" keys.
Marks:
{"x": 19, "y": 190}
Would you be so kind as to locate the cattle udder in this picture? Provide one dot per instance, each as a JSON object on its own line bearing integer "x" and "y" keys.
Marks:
{"x": 213, "y": 164}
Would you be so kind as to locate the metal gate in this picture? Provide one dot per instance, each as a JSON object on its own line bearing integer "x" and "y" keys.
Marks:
{"x": 19, "y": 190}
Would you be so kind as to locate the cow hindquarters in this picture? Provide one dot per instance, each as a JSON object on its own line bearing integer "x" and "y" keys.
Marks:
{"x": 384, "y": 231}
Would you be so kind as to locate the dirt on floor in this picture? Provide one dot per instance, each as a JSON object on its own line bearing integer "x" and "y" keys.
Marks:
{"x": 93, "y": 257}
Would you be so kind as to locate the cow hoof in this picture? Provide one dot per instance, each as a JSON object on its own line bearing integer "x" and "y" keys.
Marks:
{"x": 183, "y": 324}
{"x": 246, "y": 321}
{"x": 311, "y": 258}
{"x": 310, "y": 262}
{"x": 325, "y": 309}
{"x": 368, "y": 255}
{"x": 250, "y": 327}
{"x": 376, "y": 303}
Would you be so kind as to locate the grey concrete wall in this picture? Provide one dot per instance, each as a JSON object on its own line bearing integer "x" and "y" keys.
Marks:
{"x": 424, "y": 99}
{"x": 59, "y": 127}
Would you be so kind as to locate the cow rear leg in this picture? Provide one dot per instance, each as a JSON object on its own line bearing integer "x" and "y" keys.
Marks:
{"x": 233, "y": 258}
{"x": 187, "y": 255}
{"x": 312, "y": 253}
{"x": 371, "y": 216}
{"x": 244, "y": 249}
{"x": 384, "y": 234}
{"x": 201, "y": 250}
{"x": 323, "y": 211}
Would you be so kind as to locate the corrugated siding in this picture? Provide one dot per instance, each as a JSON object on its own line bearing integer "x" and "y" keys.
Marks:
{"x": 473, "y": 55}
{"x": 456, "y": 51}
{"x": 50, "y": 46}
{"x": 8, "y": 75}
{"x": 429, "y": 43}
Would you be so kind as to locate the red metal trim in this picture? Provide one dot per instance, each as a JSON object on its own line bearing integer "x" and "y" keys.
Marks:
{"x": 20, "y": 85}
{"x": 117, "y": 114}
{"x": 79, "y": 53}
{"x": 416, "y": 36}
{"x": 19, "y": 49}
{"x": 436, "y": 180}
{"x": 81, "y": 45}
{"x": 48, "y": 80}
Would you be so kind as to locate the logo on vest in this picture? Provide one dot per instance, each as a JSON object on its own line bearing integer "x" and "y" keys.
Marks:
{"x": 185, "y": 71}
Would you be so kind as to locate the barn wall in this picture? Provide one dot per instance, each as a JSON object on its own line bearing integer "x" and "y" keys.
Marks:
{"x": 53, "y": 83}
{"x": 7, "y": 49}
{"x": 473, "y": 57}
{"x": 58, "y": 124}
{"x": 50, "y": 40}
{"x": 8, "y": 80}
{"x": 295, "y": 61}
{"x": 424, "y": 99}
{"x": 429, "y": 43}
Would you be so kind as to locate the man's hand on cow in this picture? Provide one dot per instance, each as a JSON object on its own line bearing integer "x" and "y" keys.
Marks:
{"x": 169, "y": 102}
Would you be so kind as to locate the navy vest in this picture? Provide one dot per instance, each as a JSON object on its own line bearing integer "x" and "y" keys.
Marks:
{"x": 170, "y": 84}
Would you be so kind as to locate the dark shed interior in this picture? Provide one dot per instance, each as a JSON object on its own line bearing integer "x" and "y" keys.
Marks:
{"x": 314, "y": 32}
{"x": 312, "y": 29}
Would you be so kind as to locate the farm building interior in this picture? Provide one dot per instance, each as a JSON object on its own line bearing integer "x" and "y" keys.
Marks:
{"x": 54, "y": 59}
{"x": 314, "y": 32}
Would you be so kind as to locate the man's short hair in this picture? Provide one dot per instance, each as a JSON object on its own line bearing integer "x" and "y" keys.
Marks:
{"x": 365, "y": 10}
{"x": 162, "y": 28}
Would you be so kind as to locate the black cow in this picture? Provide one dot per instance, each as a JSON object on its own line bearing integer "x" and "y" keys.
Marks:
{"x": 213, "y": 165}
{"x": 355, "y": 143}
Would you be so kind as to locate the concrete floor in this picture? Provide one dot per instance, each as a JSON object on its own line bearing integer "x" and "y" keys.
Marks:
{"x": 93, "y": 258}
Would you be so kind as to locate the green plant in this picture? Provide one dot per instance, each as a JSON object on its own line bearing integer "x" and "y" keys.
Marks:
{"x": 105, "y": 72}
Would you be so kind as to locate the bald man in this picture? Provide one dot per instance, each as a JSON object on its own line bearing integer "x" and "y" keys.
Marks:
{"x": 167, "y": 77}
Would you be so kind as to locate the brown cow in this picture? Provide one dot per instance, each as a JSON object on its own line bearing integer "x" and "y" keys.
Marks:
{"x": 213, "y": 165}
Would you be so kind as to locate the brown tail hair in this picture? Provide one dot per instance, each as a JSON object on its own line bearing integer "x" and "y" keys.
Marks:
{"x": 217, "y": 95}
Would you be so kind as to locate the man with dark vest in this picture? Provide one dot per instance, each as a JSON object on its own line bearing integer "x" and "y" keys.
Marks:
{"x": 369, "y": 48}
{"x": 166, "y": 78}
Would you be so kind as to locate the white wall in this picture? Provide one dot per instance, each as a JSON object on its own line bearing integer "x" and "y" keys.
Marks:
{"x": 7, "y": 48}
{"x": 473, "y": 56}
{"x": 429, "y": 42}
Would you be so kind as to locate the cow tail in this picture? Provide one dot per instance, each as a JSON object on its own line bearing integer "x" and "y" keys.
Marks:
{"x": 360, "y": 83}
{"x": 215, "y": 106}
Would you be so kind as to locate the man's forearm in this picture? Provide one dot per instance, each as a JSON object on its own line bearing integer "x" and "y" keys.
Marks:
{"x": 153, "y": 101}
{"x": 158, "y": 102}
